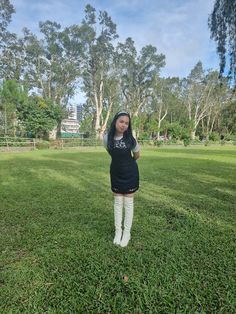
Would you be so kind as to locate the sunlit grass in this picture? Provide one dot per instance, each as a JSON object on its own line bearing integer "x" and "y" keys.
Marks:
{"x": 56, "y": 226}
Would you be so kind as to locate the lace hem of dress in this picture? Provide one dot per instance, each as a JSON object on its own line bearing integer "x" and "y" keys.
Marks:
{"x": 126, "y": 192}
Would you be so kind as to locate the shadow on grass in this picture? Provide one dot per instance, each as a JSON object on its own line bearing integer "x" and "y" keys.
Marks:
{"x": 196, "y": 185}
{"x": 56, "y": 193}
{"x": 65, "y": 184}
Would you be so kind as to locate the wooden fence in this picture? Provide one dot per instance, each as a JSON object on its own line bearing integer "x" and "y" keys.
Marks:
{"x": 16, "y": 144}
{"x": 24, "y": 144}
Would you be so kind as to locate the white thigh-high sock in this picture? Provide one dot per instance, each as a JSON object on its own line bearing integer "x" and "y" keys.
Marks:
{"x": 129, "y": 210}
{"x": 118, "y": 208}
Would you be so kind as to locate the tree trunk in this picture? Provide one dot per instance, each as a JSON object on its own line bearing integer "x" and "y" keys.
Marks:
{"x": 97, "y": 119}
{"x": 97, "y": 125}
{"x": 104, "y": 126}
{"x": 193, "y": 134}
{"x": 5, "y": 120}
{"x": 58, "y": 132}
{"x": 160, "y": 119}
{"x": 14, "y": 122}
{"x": 203, "y": 126}
{"x": 212, "y": 124}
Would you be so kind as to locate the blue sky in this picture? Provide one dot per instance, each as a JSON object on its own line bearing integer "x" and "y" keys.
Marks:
{"x": 177, "y": 28}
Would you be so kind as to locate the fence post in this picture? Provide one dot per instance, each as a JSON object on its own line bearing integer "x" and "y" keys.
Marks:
{"x": 34, "y": 146}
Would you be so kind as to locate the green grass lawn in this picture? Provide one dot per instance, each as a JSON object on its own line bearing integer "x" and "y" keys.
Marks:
{"x": 56, "y": 229}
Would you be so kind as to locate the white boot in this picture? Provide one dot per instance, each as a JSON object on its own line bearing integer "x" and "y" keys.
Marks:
{"x": 129, "y": 209}
{"x": 118, "y": 208}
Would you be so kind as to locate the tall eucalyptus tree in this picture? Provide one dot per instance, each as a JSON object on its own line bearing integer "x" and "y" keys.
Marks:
{"x": 99, "y": 73}
{"x": 138, "y": 70}
{"x": 222, "y": 24}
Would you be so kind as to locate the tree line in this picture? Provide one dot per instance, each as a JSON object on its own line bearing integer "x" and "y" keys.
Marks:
{"x": 39, "y": 74}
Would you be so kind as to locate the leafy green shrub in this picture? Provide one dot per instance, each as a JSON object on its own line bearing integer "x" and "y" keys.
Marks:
{"x": 144, "y": 136}
{"x": 158, "y": 143}
{"x": 145, "y": 142}
{"x": 214, "y": 136}
{"x": 229, "y": 137}
{"x": 187, "y": 141}
{"x": 175, "y": 130}
{"x": 172, "y": 141}
{"x": 206, "y": 143}
{"x": 42, "y": 145}
{"x": 186, "y": 138}
{"x": 195, "y": 141}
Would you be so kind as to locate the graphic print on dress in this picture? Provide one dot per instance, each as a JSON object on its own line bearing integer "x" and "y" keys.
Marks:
{"x": 120, "y": 144}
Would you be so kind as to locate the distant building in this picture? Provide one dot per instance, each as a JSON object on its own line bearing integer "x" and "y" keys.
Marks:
{"x": 79, "y": 112}
{"x": 72, "y": 113}
{"x": 70, "y": 128}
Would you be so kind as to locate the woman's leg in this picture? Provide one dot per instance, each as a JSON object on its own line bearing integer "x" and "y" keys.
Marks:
{"x": 129, "y": 210}
{"x": 118, "y": 209}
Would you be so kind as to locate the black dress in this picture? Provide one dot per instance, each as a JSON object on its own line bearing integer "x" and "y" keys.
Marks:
{"x": 123, "y": 169}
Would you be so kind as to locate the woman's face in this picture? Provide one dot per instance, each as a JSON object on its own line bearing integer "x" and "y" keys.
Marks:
{"x": 122, "y": 124}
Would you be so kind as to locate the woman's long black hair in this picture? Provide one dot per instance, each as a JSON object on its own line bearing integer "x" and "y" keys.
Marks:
{"x": 127, "y": 136}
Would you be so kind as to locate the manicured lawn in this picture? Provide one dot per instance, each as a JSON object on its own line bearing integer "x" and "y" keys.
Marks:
{"x": 56, "y": 229}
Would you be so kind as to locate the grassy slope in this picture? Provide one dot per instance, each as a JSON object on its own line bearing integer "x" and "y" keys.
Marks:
{"x": 56, "y": 227}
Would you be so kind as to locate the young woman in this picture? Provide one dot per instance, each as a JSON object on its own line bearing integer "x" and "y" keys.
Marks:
{"x": 124, "y": 174}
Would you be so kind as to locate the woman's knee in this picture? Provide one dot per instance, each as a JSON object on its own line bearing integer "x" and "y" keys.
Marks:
{"x": 117, "y": 194}
{"x": 129, "y": 195}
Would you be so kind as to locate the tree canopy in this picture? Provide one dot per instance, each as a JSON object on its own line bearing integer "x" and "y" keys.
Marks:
{"x": 40, "y": 73}
{"x": 222, "y": 24}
